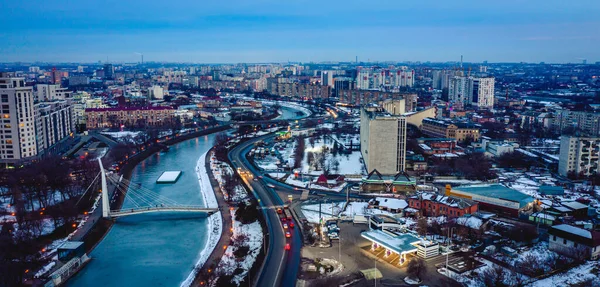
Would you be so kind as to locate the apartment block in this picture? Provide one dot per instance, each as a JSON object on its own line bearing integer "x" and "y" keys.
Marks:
{"x": 364, "y": 97}
{"x": 578, "y": 155}
{"x": 582, "y": 121}
{"x": 128, "y": 117}
{"x": 383, "y": 141}
{"x": 51, "y": 92}
{"x": 54, "y": 121}
{"x": 17, "y": 130}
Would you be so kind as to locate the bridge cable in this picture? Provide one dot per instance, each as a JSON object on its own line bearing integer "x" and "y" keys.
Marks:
{"x": 88, "y": 188}
{"x": 149, "y": 193}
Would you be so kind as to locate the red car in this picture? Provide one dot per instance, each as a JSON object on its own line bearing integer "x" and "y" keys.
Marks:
{"x": 291, "y": 224}
{"x": 288, "y": 234}
{"x": 287, "y": 246}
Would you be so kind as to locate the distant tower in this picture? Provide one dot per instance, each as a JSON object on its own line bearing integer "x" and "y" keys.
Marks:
{"x": 356, "y": 61}
{"x": 461, "y": 61}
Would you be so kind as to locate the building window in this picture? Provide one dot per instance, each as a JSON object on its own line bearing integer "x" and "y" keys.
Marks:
{"x": 554, "y": 238}
{"x": 564, "y": 241}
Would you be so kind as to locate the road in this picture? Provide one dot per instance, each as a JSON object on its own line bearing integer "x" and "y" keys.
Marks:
{"x": 280, "y": 267}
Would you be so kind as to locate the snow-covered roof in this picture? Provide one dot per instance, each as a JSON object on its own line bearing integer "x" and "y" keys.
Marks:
{"x": 391, "y": 203}
{"x": 471, "y": 221}
{"x": 574, "y": 205}
{"x": 573, "y": 230}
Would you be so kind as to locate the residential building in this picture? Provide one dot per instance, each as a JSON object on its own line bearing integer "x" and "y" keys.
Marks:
{"x": 470, "y": 91}
{"x": 482, "y": 92}
{"x": 56, "y": 76}
{"x": 55, "y": 121}
{"x": 79, "y": 80}
{"x": 578, "y": 155}
{"x": 156, "y": 92}
{"x": 190, "y": 81}
{"x": 128, "y": 117}
{"x": 109, "y": 71}
{"x": 327, "y": 78}
{"x": 342, "y": 83}
{"x": 300, "y": 90}
{"x": 585, "y": 122}
{"x": 384, "y": 79}
{"x": 574, "y": 241}
{"x": 449, "y": 129}
{"x": 17, "y": 131}
{"x": 393, "y": 205}
{"x": 383, "y": 140}
{"x": 432, "y": 204}
{"x": 363, "y": 97}
{"x": 459, "y": 90}
{"x": 430, "y": 146}
{"x": 51, "y": 92}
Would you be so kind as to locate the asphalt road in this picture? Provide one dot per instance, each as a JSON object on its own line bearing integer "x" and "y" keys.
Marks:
{"x": 280, "y": 267}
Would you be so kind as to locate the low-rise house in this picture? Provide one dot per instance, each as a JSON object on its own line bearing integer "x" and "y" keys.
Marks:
{"x": 392, "y": 205}
{"x": 432, "y": 204}
{"x": 574, "y": 241}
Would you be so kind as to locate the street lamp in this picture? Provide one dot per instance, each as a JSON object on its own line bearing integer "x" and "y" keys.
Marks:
{"x": 450, "y": 232}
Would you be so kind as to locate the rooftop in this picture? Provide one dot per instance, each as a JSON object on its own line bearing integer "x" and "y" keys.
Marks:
{"x": 496, "y": 191}
{"x": 127, "y": 109}
{"x": 397, "y": 242}
{"x": 71, "y": 245}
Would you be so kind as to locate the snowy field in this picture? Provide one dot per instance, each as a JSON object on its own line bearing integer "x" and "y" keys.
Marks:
{"x": 348, "y": 163}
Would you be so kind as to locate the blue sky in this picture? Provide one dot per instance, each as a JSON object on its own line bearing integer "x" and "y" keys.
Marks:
{"x": 230, "y": 31}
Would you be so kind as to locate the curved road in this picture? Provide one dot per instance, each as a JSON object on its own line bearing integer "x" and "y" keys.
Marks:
{"x": 280, "y": 267}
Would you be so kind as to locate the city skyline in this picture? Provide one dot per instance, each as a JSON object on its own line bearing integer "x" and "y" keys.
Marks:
{"x": 302, "y": 31}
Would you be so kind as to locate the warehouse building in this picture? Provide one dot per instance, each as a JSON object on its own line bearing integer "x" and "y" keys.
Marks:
{"x": 495, "y": 198}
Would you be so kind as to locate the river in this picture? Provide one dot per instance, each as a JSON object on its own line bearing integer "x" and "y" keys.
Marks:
{"x": 157, "y": 249}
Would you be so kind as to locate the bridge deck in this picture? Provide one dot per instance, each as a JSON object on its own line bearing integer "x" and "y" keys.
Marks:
{"x": 141, "y": 210}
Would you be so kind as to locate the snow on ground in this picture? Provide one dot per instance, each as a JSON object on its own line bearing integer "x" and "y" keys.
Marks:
{"x": 215, "y": 225}
{"x": 294, "y": 182}
{"x": 335, "y": 188}
{"x": 277, "y": 175}
{"x": 328, "y": 210}
{"x": 219, "y": 169}
{"x": 471, "y": 221}
{"x": 311, "y": 211}
{"x": 45, "y": 269}
{"x": 361, "y": 208}
{"x": 267, "y": 164}
{"x": 124, "y": 136}
{"x": 574, "y": 276}
{"x": 229, "y": 263}
{"x": 463, "y": 279}
{"x": 348, "y": 163}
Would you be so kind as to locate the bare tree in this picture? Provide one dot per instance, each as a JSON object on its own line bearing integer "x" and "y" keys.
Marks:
{"x": 416, "y": 267}
{"x": 422, "y": 226}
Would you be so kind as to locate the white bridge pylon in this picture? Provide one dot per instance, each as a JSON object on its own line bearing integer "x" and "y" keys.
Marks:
{"x": 142, "y": 199}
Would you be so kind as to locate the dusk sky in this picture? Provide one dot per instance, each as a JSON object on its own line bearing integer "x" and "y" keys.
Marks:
{"x": 230, "y": 31}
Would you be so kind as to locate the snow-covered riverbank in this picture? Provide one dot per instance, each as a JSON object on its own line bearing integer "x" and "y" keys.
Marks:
{"x": 215, "y": 225}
